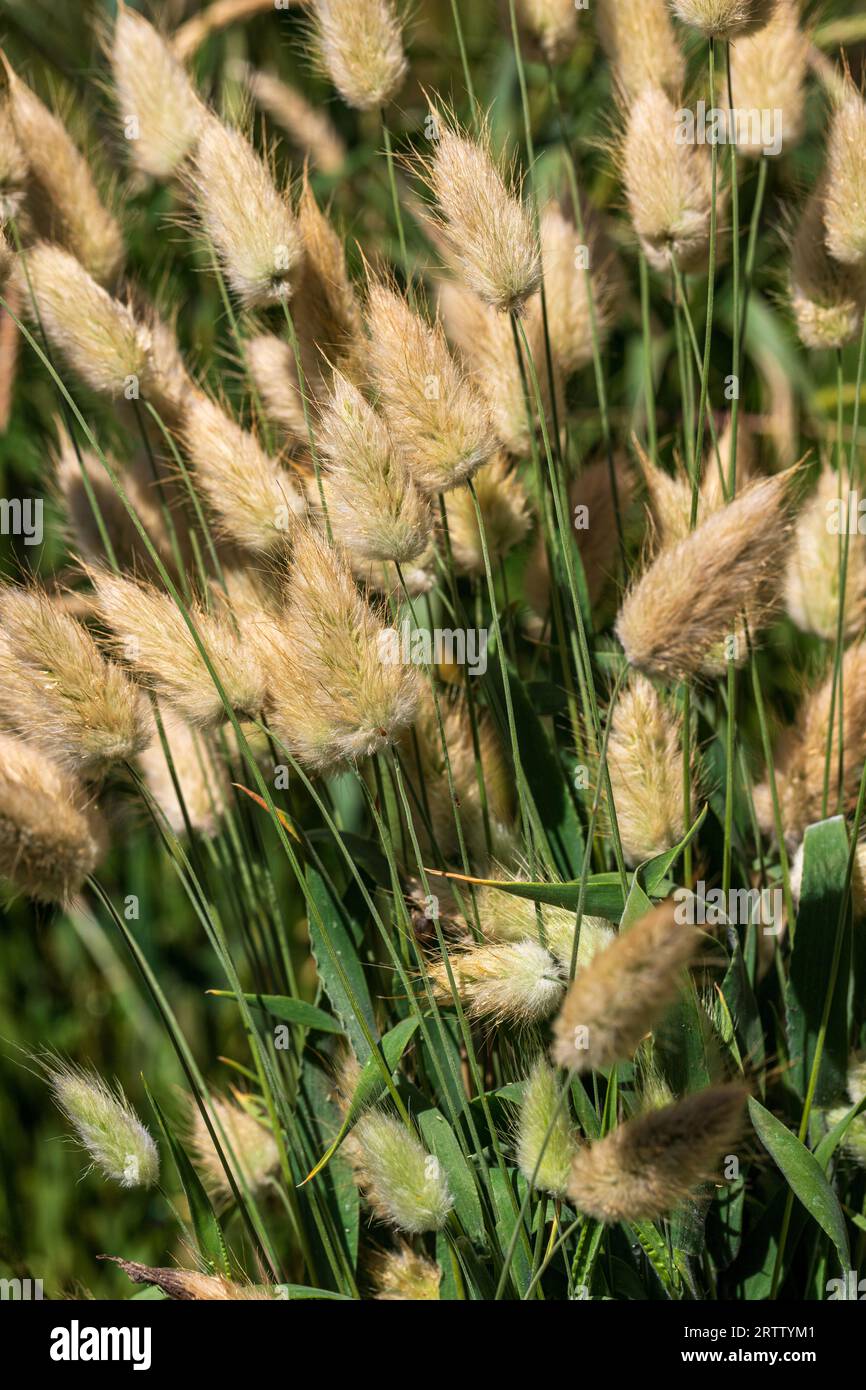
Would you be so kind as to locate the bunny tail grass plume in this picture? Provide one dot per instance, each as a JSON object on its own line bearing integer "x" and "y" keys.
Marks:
{"x": 812, "y": 574}
{"x": 274, "y": 373}
{"x": 480, "y": 215}
{"x": 150, "y": 633}
{"x": 374, "y": 508}
{"x": 402, "y": 1276}
{"x": 517, "y": 982}
{"x": 570, "y": 322}
{"x": 50, "y": 840}
{"x": 248, "y": 1148}
{"x": 189, "y": 1285}
{"x": 552, "y": 24}
{"x": 402, "y": 1184}
{"x": 768, "y": 73}
{"x": 845, "y": 200}
{"x": 505, "y": 510}
{"x": 725, "y": 19}
{"x": 624, "y": 991}
{"x": 538, "y": 1107}
{"x": 638, "y": 38}
{"x": 648, "y": 1166}
{"x": 96, "y": 334}
{"x": 505, "y": 917}
{"x": 827, "y": 297}
{"x": 668, "y": 184}
{"x": 432, "y": 410}
{"x": 105, "y": 1124}
{"x": 13, "y": 162}
{"x": 202, "y": 779}
{"x": 248, "y": 221}
{"x": 645, "y": 762}
{"x": 337, "y": 689}
{"x": 58, "y": 691}
{"x": 327, "y": 314}
{"x": 62, "y": 194}
{"x": 252, "y": 497}
{"x": 692, "y": 596}
{"x": 800, "y": 752}
{"x": 359, "y": 44}
{"x": 310, "y": 130}
{"x": 158, "y": 107}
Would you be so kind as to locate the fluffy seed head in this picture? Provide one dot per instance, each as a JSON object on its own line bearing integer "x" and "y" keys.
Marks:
{"x": 63, "y": 196}
{"x": 58, "y": 691}
{"x": 617, "y": 999}
{"x": 812, "y": 574}
{"x": 105, "y": 1124}
{"x": 568, "y": 290}
{"x": 505, "y": 510}
{"x": 203, "y": 780}
{"x": 724, "y": 19}
{"x": 431, "y": 409}
{"x": 96, "y": 334}
{"x": 246, "y": 218}
{"x": 154, "y": 92}
{"x": 404, "y": 1186}
{"x": 309, "y": 129}
{"x": 645, "y": 762}
{"x": 553, "y": 25}
{"x": 327, "y": 313}
{"x": 691, "y": 597}
{"x": 150, "y": 633}
{"x": 638, "y": 38}
{"x": 249, "y": 1149}
{"x": 274, "y": 373}
{"x": 50, "y": 840}
{"x": 252, "y": 497}
{"x": 360, "y": 46}
{"x": 374, "y": 508}
{"x": 647, "y": 1167}
{"x": 514, "y": 982}
{"x": 13, "y": 163}
{"x": 505, "y": 917}
{"x": 332, "y": 696}
{"x": 768, "y": 73}
{"x": 845, "y": 201}
{"x": 668, "y": 185}
{"x": 537, "y": 1110}
{"x": 402, "y": 1276}
{"x": 827, "y": 297}
{"x": 487, "y": 229}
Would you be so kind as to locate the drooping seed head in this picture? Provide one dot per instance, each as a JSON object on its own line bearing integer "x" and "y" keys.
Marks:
{"x": 326, "y": 311}
{"x": 645, "y": 763}
{"x": 768, "y": 74}
{"x": 545, "y": 1138}
{"x": 639, "y": 40}
{"x": 248, "y": 1147}
{"x": 158, "y": 107}
{"x": 402, "y": 1276}
{"x": 482, "y": 219}
{"x": 58, "y": 691}
{"x": 668, "y": 184}
{"x": 248, "y": 221}
{"x": 105, "y": 1124}
{"x": 514, "y": 982}
{"x": 359, "y": 44}
{"x": 190, "y": 1285}
{"x": 432, "y": 410}
{"x": 648, "y": 1166}
{"x": 845, "y": 199}
{"x": 402, "y": 1184}
{"x": 50, "y": 839}
{"x": 724, "y": 19}
{"x": 624, "y": 991}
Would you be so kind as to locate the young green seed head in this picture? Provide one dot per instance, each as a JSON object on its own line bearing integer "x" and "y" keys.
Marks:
{"x": 538, "y": 1108}
{"x": 105, "y": 1124}
{"x": 404, "y": 1186}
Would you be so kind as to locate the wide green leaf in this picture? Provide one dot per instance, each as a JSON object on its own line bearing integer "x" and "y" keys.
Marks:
{"x": 805, "y": 1177}
{"x": 288, "y": 1010}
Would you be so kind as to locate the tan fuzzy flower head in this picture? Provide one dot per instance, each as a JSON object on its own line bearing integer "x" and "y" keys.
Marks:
{"x": 480, "y": 214}
{"x": 327, "y": 312}
{"x": 505, "y": 510}
{"x": 552, "y": 24}
{"x": 645, "y": 763}
{"x": 827, "y": 296}
{"x": 248, "y": 1147}
{"x": 308, "y": 127}
{"x": 201, "y": 777}
{"x": 360, "y": 46}
{"x": 648, "y": 1166}
{"x": 691, "y": 597}
{"x": 189, "y": 1285}
{"x": 668, "y": 184}
{"x": 432, "y": 410}
{"x": 724, "y": 19}
{"x": 812, "y": 574}
{"x": 845, "y": 200}
{"x": 335, "y": 694}
{"x": 639, "y": 40}
{"x": 13, "y": 161}
{"x": 159, "y": 110}
{"x": 62, "y": 193}
{"x": 247, "y": 219}
{"x": 150, "y": 633}
{"x": 374, "y": 508}
{"x": 566, "y": 261}
{"x": 402, "y": 1276}
{"x": 511, "y": 982}
{"x": 768, "y": 73}
{"x": 57, "y": 689}
{"x": 624, "y": 991}
{"x": 50, "y": 840}
{"x": 254, "y": 499}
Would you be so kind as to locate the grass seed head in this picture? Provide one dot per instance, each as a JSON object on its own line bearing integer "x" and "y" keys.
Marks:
{"x": 190, "y": 1285}
{"x": 505, "y": 510}
{"x": 248, "y": 1147}
{"x": 639, "y": 40}
{"x": 202, "y": 779}
{"x": 827, "y": 297}
{"x": 359, "y": 44}
{"x": 571, "y": 316}
{"x": 516, "y": 982}
{"x": 157, "y": 104}
{"x": 310, "y": 129}
{"x": 768, "y": 73}
{"x": 402, "y": 1276}
{"x": 645, "y": 763}
{"x": 105, "y": 1124}
{"x": 725, "y": 19}
{"x": 812, "y": 573}
{"x": 552, "y": 24}
{"x": 845, "y": 199}
{"x": 537, "y": 1110}
{"x": 404, "y": 1186}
